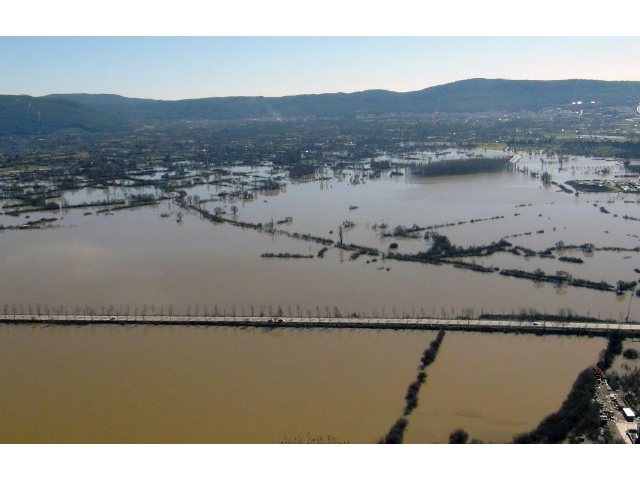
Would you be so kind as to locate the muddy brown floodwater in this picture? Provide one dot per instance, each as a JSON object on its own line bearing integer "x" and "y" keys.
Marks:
{"x": 496, "y": 386}
{"x": 135, "y": 257}
{"x": 177, "y": 384}
{"x": 209, "y": 385}
{"x": 224, "y": 385}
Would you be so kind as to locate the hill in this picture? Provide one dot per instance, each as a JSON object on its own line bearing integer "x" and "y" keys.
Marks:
{"x": 18, "y": 114}
{"x": 25, "y": 115}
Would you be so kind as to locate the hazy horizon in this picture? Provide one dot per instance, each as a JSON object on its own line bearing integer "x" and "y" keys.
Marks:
{"x": 324, "y": 93}
{"x": 176, "y": 68}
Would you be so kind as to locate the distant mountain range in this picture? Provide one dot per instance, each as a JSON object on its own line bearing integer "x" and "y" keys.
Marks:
{"x": 25, "y": 115}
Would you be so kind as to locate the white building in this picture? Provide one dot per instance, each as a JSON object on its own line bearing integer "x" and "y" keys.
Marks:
{"x": 629, "y": 414}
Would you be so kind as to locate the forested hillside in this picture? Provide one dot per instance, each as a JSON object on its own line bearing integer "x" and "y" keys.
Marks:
{"x": 19, "y": 114}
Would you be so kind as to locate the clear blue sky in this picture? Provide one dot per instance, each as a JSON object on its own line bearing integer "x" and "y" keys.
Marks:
{"x": 195, "y": 67}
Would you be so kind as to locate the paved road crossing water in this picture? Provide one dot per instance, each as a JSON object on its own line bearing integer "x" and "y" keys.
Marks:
{"x": 515, "y": 325}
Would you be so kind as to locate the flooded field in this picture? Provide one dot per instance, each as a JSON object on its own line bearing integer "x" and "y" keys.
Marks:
{"x": 93, "y": 259}
{"x": 222, "y": 385}
{"x": 497, "y": 386}
{"x": 189, "y": 252}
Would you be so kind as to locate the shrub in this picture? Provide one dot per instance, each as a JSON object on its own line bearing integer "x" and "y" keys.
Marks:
{"x": 458, "y": 436}
{"x": 396, "y": 433}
